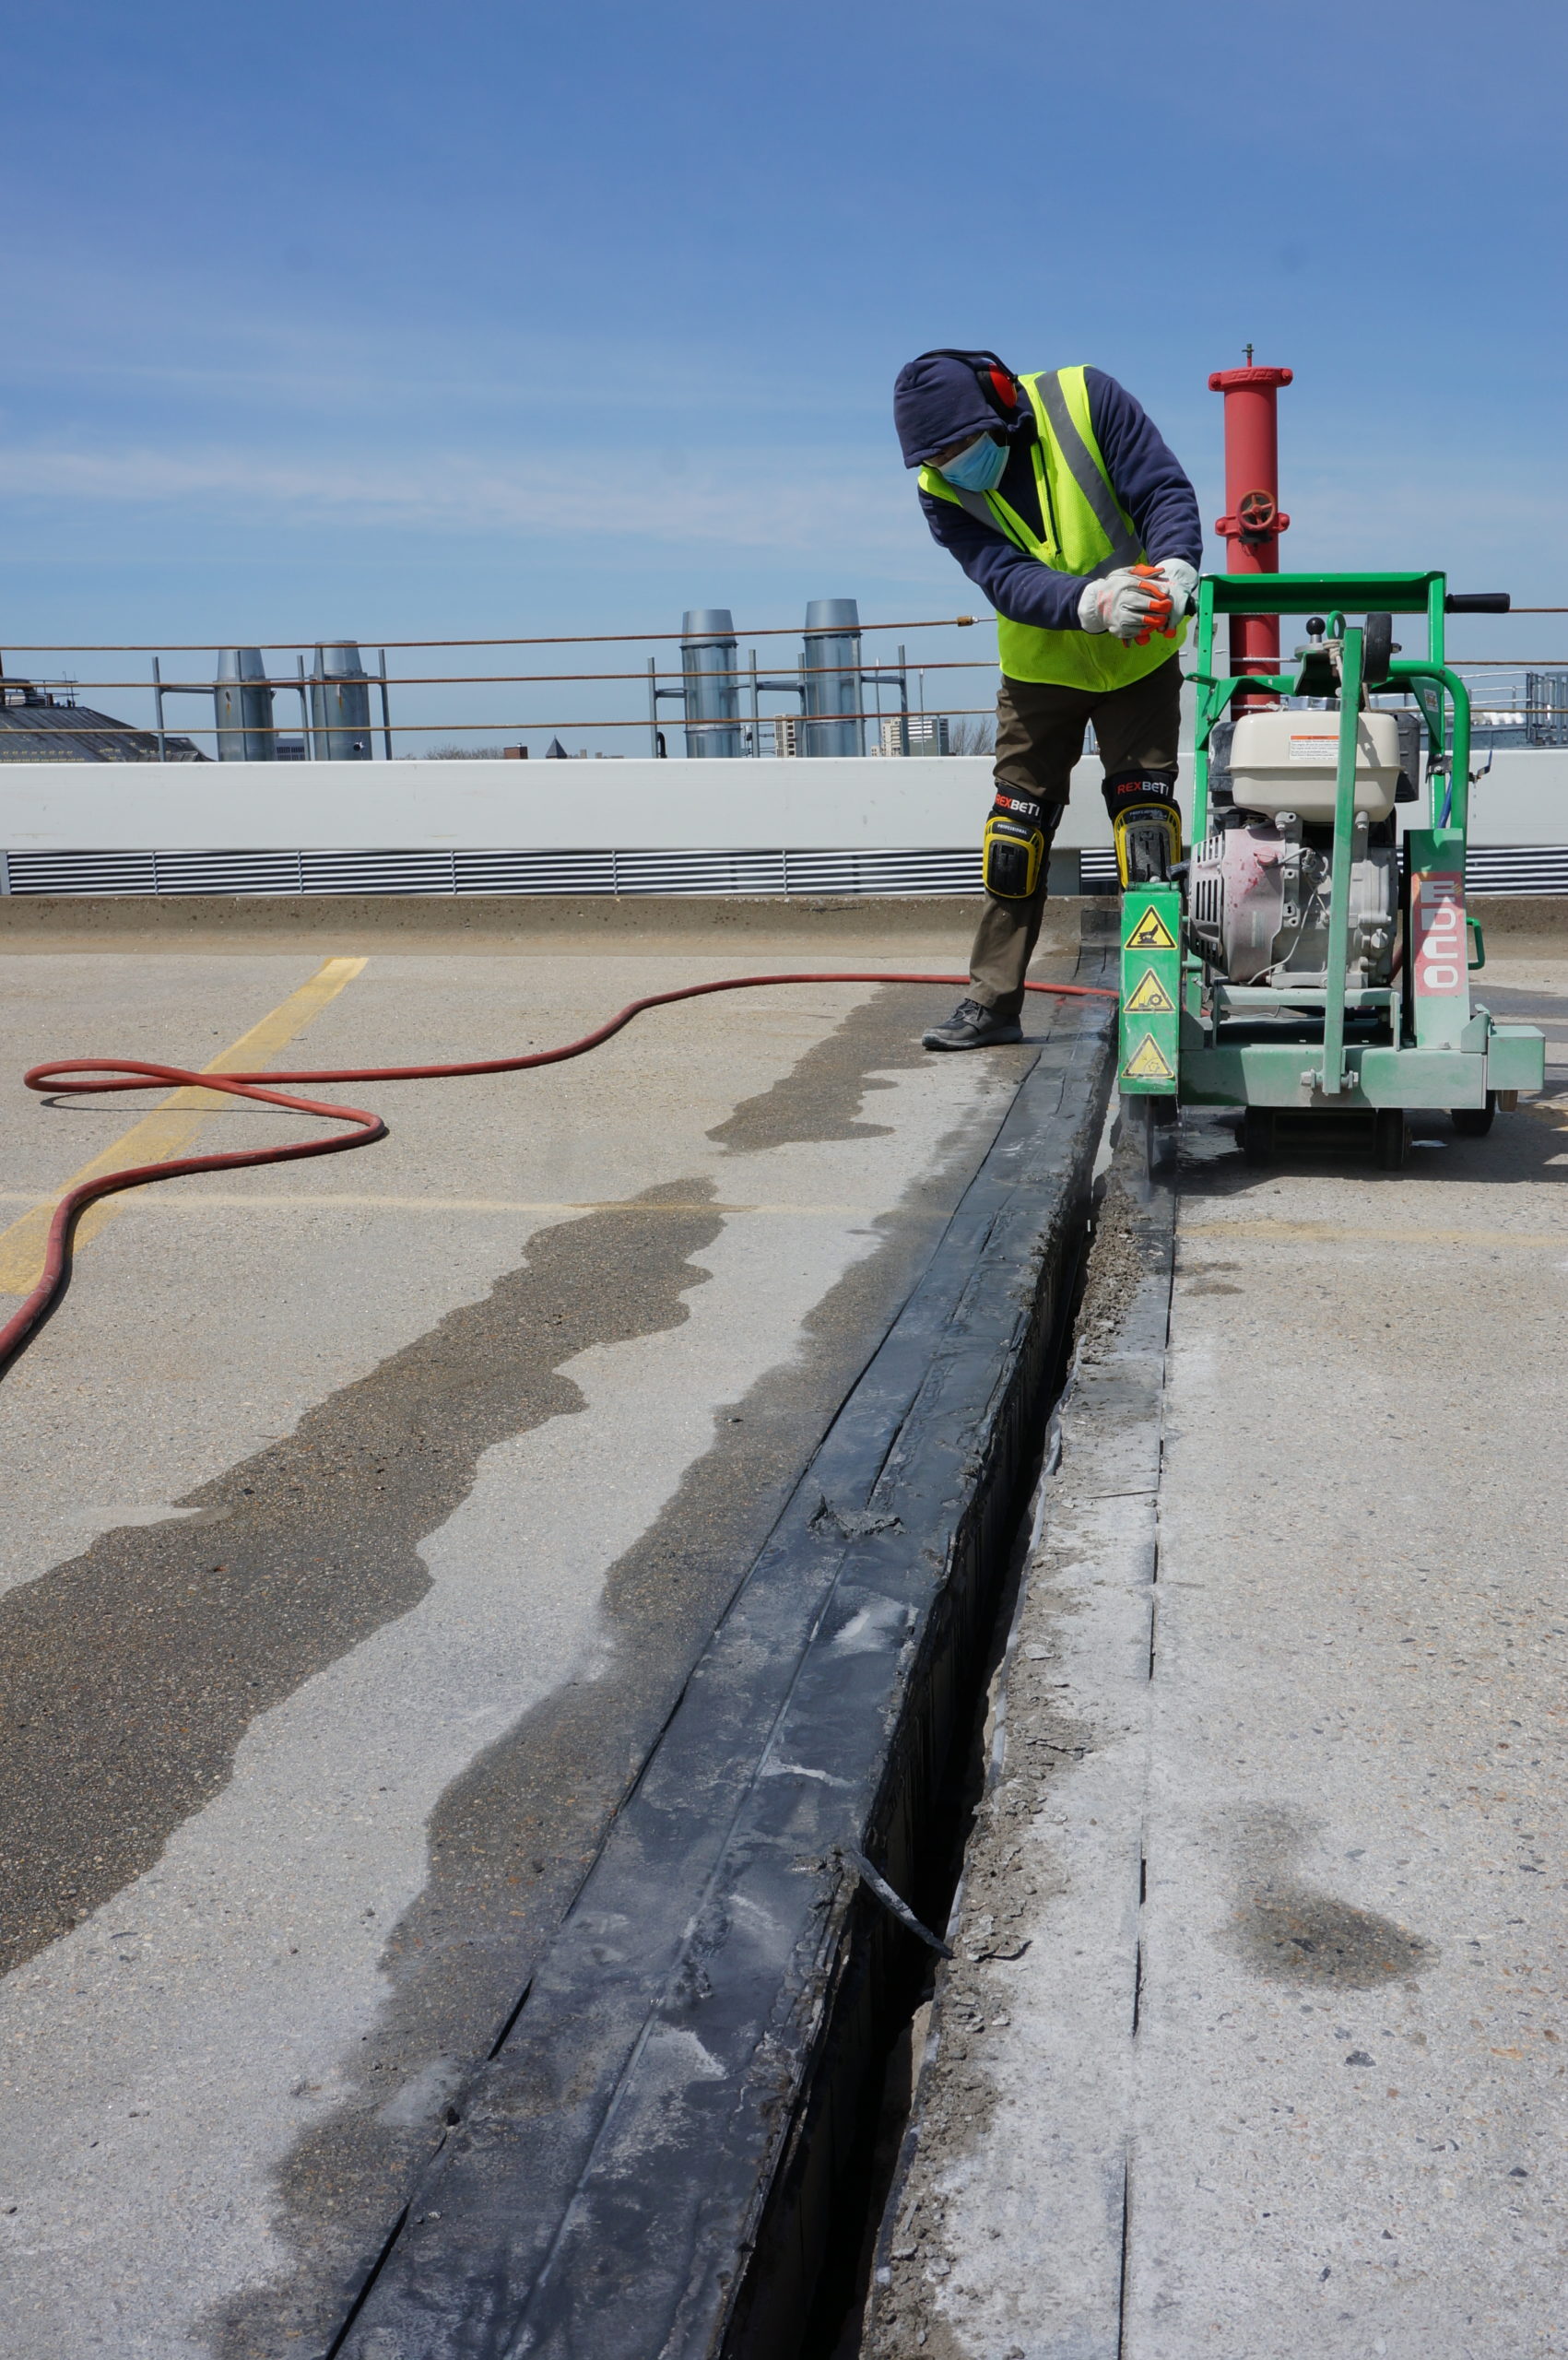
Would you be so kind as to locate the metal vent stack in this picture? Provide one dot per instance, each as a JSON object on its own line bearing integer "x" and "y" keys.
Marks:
{"x": 241, "y": 707}
{"x": 830, "y": 671}
{"x": 709, "y": 672}
{"x": 340, "y": 704}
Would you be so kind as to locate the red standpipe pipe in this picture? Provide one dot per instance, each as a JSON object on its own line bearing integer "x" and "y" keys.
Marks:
{"x": 1254, "y": 520}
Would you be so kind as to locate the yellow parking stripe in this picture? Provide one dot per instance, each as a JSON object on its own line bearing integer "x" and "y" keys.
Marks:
{"x": 169, "y": 1130}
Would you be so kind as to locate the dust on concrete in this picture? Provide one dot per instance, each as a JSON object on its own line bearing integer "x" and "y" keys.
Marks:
{"x": 1005, "y": 1881}
{"x": 1118, "y": 1262}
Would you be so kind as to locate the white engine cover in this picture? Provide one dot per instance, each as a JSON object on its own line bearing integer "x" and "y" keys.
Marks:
{"x": 1286, "y": 762}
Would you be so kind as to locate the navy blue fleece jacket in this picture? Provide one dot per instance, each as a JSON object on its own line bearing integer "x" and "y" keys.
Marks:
{"x": 1146, "y": 477}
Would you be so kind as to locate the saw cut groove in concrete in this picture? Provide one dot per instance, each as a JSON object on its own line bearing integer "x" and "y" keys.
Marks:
{"x": 649, "y": 2117}
{"x": 511, "y": 1840}
{"x": 1012, "y": 2222}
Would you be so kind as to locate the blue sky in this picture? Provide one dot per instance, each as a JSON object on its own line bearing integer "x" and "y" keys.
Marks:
{"x": 398, "y": 321}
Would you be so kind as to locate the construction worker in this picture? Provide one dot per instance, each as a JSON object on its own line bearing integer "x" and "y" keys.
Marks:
{"x": 1059, "y": 498}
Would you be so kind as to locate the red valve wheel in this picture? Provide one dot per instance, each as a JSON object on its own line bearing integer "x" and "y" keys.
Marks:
{"x": 1257, "y": 512}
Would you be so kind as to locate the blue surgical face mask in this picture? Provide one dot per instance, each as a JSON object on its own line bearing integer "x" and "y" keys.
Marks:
{"x": 979, "y": 468}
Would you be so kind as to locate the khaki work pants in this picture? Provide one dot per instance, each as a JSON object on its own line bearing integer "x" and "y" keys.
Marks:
{"x": 1040, "y": 731}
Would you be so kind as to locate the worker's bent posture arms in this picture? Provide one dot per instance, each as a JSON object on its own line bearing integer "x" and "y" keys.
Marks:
{"x": 1059, "y": 498}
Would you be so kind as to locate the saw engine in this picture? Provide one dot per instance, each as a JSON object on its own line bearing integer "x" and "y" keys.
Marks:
{"x": 1258, "y": 885}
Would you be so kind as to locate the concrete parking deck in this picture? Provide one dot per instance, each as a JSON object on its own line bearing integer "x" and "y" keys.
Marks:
{"x": 1254, "y": 2047}
{"x": 367, "y": 1518}
{"x": 364, "y": 1518}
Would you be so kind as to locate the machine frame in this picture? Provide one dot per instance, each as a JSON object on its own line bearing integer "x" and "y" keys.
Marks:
{"x": 1329, "y": 1050}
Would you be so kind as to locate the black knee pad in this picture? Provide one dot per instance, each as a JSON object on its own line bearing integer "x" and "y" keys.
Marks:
{"x": 1145, "y": 821}
{"x": 1017, "y": 835}
{"x": 1124, "y": 788}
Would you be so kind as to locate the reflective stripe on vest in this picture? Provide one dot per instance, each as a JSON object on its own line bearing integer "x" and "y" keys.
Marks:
{"x": 1085, "y": 468}
{"x": 1086, "y": 532}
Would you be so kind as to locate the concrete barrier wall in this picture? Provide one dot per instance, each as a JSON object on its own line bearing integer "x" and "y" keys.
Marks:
{"x": 1523, "y": 799}
{"x": 631, "y": 804}
{"x": 607, "y": 827}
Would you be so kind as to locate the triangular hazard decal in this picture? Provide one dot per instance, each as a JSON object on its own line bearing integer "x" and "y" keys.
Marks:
{"x": 1147, "y": 1064}
{"x": 1151, "y": 933}
{"x": 1151, "y": 998}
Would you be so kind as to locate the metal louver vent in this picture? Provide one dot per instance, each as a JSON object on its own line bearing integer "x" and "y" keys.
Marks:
{"x": 83, "y": 872}
{"x": 376, "y": 872}
{"x": 215, "y": 872}
{"x": 700, "y": 872}
{"x": 1516, "y": 868}
{"x": 589, "y": 871}
{"x": 534, "y": 872}
{"x": 882, "y": 872}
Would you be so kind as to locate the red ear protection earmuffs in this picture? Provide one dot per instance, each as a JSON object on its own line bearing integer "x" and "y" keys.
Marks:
{"x": 996, "y": 379}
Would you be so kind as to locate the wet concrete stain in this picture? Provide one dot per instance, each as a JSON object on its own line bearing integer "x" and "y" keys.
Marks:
{"x": 821, "y": 1097}
{"x": 1292, "y": 1932}
{"x": 1196, "y": 1277}
{"x": 1296, "y": 1934}
{"x": 132, "y": 1672}
{"x": 511, "y": 1840}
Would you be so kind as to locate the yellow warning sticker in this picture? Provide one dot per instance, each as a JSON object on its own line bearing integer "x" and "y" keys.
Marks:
{"x": 1151, "y": 998}
{"x": 1151, "y": 933}
{"x": 1147, "y": 1063}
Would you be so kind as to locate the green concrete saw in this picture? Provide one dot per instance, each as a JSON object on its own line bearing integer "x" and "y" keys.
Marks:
{"x": 1311, "y": 962}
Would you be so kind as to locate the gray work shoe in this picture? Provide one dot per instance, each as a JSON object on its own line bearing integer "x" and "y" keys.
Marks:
{"x": 971, "y": 1026}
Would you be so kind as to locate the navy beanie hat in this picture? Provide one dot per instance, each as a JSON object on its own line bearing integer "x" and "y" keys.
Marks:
{"x": 937, "y": 402}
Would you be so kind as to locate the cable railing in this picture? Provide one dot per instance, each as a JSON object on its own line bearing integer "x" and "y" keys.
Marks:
{"x": 900, "y": 704}
{"x": 551, "y": 638}
{"x": 835, "y": 702}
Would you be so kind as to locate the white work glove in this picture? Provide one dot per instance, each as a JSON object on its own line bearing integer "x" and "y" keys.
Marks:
{"x": 1131, "y": 603}
{"x": 1181, "y": 579}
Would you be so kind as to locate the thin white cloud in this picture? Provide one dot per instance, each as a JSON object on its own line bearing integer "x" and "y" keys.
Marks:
{"x": 90, "y": 333}
{"x": 804, "y": 507}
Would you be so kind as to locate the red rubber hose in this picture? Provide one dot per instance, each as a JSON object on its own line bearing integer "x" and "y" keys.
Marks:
{"x": 98, "y": 1076}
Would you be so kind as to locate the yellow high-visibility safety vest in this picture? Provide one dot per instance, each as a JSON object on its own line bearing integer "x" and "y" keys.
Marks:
{"x": 1087, "y": 532}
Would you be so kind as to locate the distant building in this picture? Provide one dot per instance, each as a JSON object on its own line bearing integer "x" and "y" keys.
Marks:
{"x": 1546, "y": 709}
{"x": 37, "y": 725}
{"x": 927, "y": 734}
